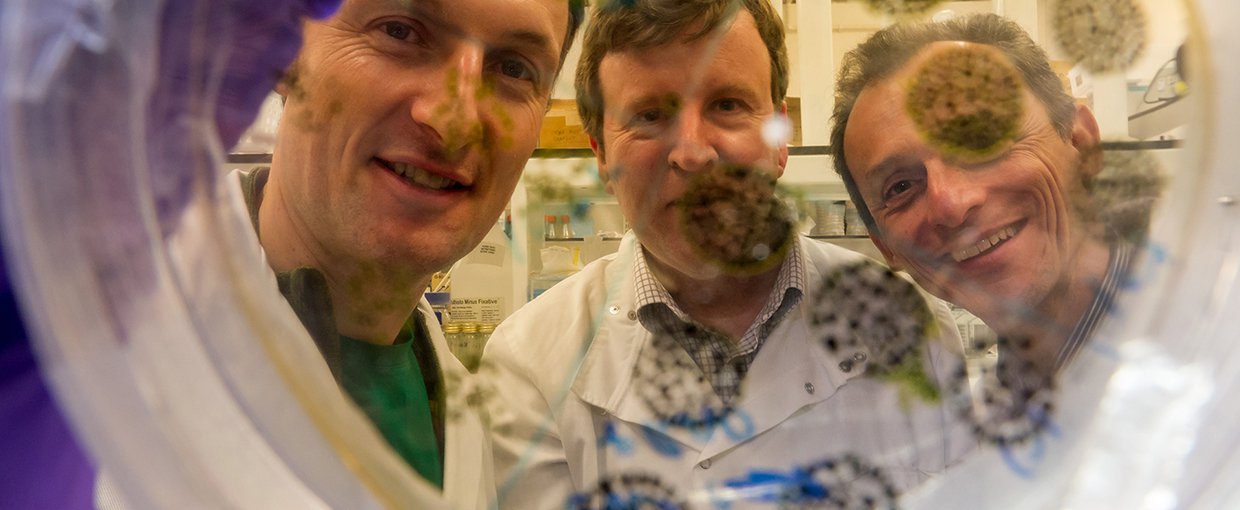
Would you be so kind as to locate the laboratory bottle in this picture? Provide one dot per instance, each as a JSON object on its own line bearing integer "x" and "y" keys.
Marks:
{"x": 566, "y": 227}
{"x": 470, "y": 353}
{"x": 549, "y": 231}
{"x": 484, "y": 334}
{"x": 452, "y": 334}
{"x": 482, "y": 282}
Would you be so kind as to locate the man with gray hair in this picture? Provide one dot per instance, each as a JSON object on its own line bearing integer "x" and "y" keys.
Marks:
{"x": 972, "y": 167}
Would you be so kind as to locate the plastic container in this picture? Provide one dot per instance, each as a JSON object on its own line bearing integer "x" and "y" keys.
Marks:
{"x": 482, "y": 289}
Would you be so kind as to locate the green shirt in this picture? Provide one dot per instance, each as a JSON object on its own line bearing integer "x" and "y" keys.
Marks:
{"x": 397, "y": 386}
{"x": 386, "y": 382}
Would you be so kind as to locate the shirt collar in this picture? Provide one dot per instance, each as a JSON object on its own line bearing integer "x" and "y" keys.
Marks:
{"x": 1117, "y": 267}
{"x": 787, "y": 292}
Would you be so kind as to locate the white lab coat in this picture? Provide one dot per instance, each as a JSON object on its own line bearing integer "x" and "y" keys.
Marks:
{"x": 468, "y": 477}
{"x": 564, "y": 365}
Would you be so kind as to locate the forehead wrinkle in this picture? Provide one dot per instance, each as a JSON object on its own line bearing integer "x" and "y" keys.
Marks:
{"x": 654, "y": 87}
{"x": 434, "y": 7}
{"x": 876, "y": 111}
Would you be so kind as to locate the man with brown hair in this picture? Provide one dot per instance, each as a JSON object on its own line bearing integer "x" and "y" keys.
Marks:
{"x": 405, "y": 128}
{"x": 697, "y": 356}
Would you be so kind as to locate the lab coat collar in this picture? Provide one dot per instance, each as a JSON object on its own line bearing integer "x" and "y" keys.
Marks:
{"x": 791, "y": 371}
{"x": 607, "y": 369}
{"x": 464, "y": 441}
{"x": 775, "y": 387}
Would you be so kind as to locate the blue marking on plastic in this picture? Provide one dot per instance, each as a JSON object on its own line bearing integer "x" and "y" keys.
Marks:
{"x": 662, "y": 444}
{"x": 748, "y": 428}
{"x": 612, "y": 437}
{"x": 577, "y": 500}
{"x": 637, "y": 501}
{"x": 1037, "y": 449}
{"x": 736, "y": 431}
{"x": 762, "y": 486}
{"x": 810, "y": 488}
{"x": 1052, "y": 429}
{"x": 776, "y": 487}
{"x": 1155, "y": 256}
{"x": 1021, "y": 470}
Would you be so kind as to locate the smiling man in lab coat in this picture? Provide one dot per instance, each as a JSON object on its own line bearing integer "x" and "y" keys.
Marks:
{"x": 717, "y": 356}
{"x": 405, "y": 128}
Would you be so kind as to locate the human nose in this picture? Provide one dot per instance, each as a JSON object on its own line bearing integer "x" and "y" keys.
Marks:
{"x": 451, "y": 107}
{"x": 953, "y": 195}
{"x": 692, "y": 147}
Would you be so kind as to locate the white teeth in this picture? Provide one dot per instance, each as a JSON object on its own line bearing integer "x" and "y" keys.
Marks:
{"x": 984, "y": 245}
{"x": 421, "y": 177}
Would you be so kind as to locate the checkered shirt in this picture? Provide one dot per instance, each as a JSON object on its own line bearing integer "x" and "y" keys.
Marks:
{"x": 723, "y": 361}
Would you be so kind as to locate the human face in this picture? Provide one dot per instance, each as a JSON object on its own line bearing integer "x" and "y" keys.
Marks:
{"x": 986, "y": 235}
{"x": 449, "y": 94}
{"x": 675, "y": 110}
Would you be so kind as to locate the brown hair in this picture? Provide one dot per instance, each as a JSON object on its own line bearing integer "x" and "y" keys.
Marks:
{"x": 618, "y": 25}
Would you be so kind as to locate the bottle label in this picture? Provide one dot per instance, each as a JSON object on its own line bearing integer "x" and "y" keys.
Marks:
{"x": 478, "y": 310}
{"x": 488, "y": 253}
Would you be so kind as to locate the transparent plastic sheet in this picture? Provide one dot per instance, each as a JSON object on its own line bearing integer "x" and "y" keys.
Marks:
{"x": 1146, "y": 419}
{"x": 155, "y": 319}
{"x": 1136, "y": 387}
{"x": 1142, "y": 421}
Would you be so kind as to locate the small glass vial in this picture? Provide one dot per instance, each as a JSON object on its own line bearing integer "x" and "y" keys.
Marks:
{"x": 566, "y": 227}
{"x": 484, "y": 334}
{"x": 470, "y": 352}
{"x": 452, "y": 334}
{"x": 549, "y": 230}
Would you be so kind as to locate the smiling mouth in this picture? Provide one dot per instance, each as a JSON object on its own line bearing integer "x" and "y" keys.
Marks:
{"x": 420, "y": 177}
{"x": 985, "y": 245}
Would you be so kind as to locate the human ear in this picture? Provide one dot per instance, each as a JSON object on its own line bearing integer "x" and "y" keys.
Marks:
{"x": 1087, "y": 140}
{"x": 288, "y": 82}
{"x": 604, "y": 173}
